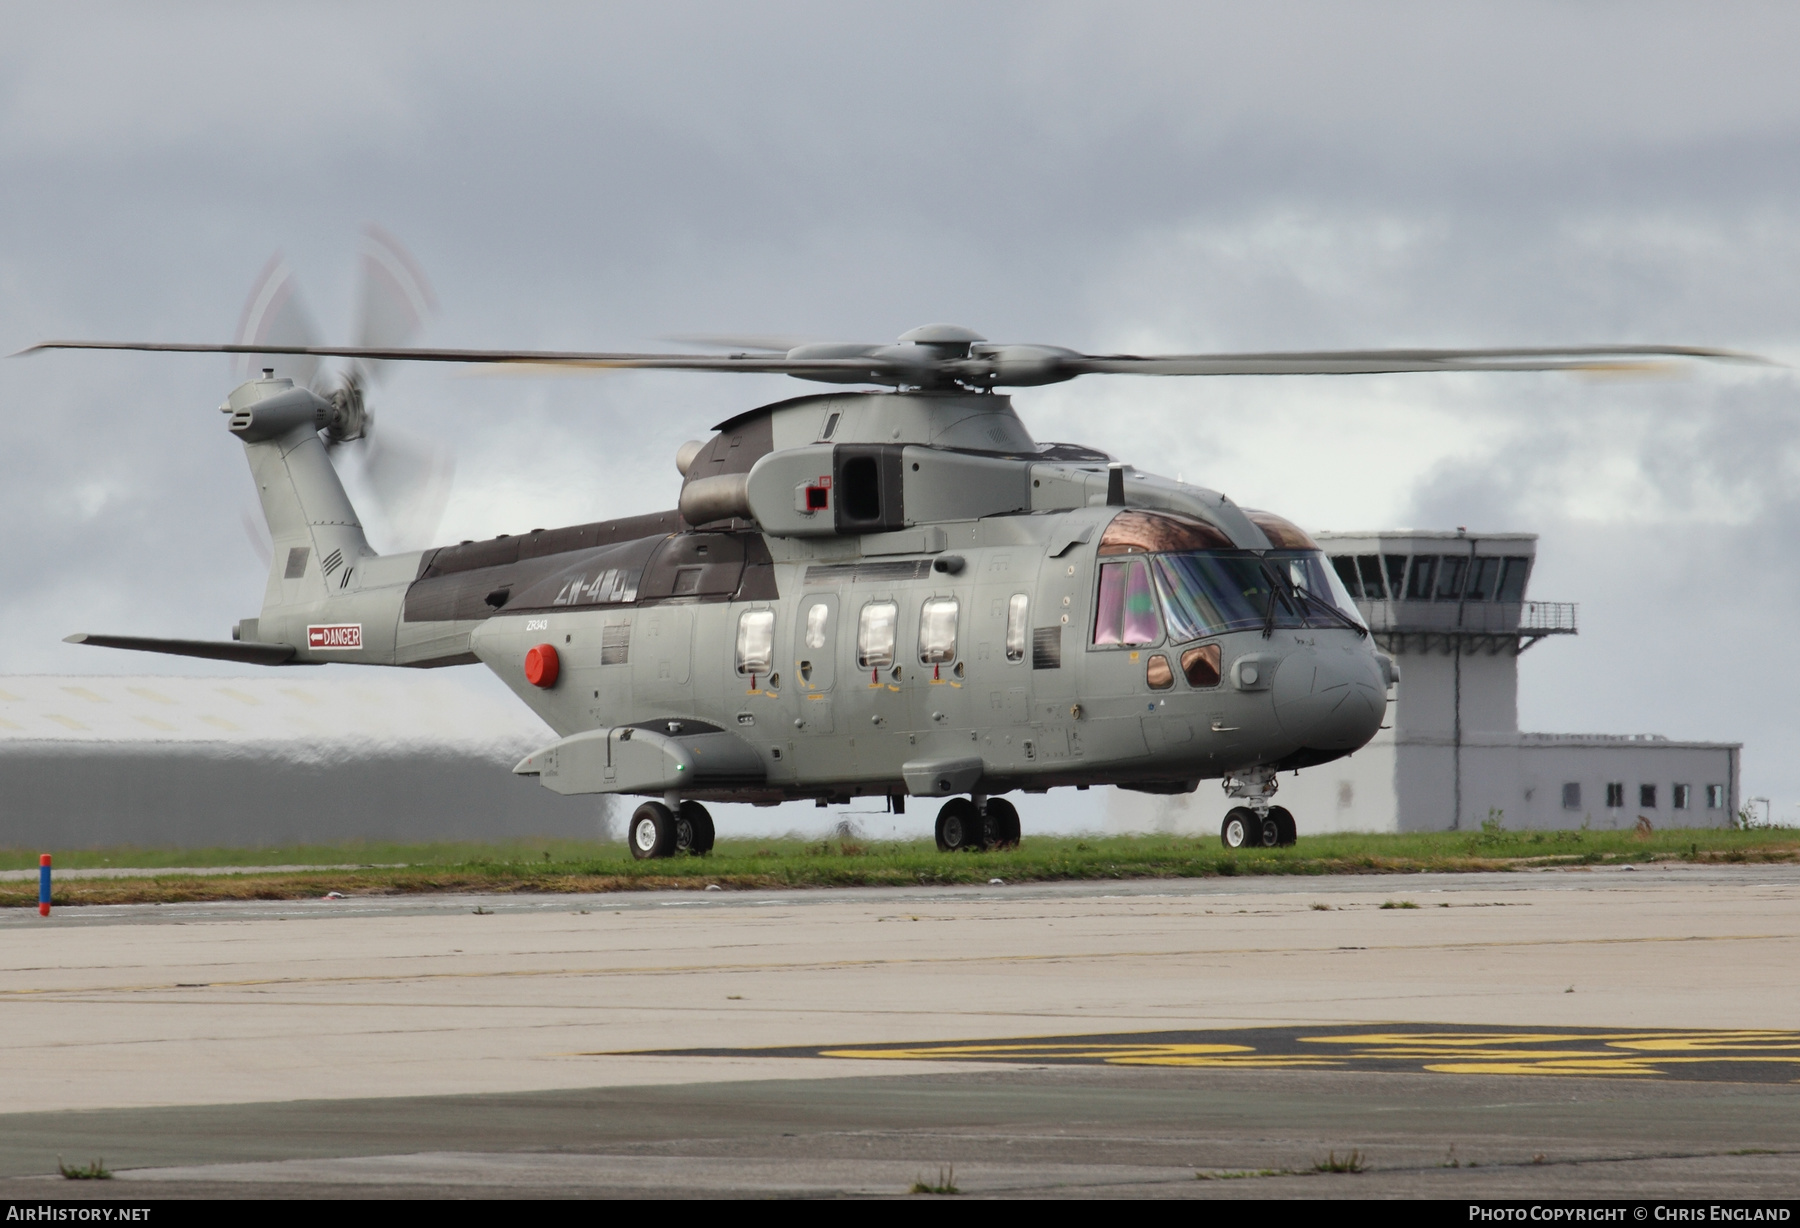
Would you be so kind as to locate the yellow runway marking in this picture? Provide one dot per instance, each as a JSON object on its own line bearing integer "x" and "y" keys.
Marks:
{"x": 1759, "y": 1056}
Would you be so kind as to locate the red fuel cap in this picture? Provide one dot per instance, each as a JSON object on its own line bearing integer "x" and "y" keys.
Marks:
{"x": 541, "y": 666}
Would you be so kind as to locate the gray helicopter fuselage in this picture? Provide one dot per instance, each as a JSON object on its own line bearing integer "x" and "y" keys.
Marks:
{"x": 864, "y": 593}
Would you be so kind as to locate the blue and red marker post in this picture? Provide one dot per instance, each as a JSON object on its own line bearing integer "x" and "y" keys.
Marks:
{"x": 44, "y": 885}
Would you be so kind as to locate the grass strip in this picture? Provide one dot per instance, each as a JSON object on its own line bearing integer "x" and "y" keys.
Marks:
{"x": 557, "y": 867}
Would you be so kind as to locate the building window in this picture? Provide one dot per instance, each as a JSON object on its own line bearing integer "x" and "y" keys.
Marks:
{"x": 1482, "y": 573}
{"x": 1370, "y": 566}
{"x": 1418, "y": 581}
{"x": 1572, "y": 796}
{"x": 1647, "y": 796}
{"x": 1615, "y": 796}
{"x": 755, "y": 642}
{"x": 937, "y": 631}
{"x": 875, "y": 635}
{"x": 1450, "y": 577}
{"x": 1017, "y": 626}
{"x": 1512, "y": 578}
{"x": 1715, "y": 797}
{"x": 1680, "y": 797}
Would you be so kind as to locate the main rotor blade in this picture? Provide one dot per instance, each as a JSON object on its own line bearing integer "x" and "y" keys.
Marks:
{"x": 998, "y": 366}
{"x": 1384, "y": 362}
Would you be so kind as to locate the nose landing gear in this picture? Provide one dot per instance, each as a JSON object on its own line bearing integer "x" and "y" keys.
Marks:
{"x": 1256, "y": 824}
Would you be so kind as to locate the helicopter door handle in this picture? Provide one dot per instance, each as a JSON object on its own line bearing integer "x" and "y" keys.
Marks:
{"x": 1219, "y": 726}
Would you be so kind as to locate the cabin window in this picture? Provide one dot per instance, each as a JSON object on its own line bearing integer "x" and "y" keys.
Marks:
{"x": 937, "y": 631}
{"x": 1681, "y": 797}
{"x": 1017, "y": 626}
{"x": 1157, "y": 674}
{"x": 1201, "y": 665}
{"x": 755, "y": 642}
{"x": 1126, "y": 611}
{"x": 818, "y": 620}
{"x": 875, "y": 635}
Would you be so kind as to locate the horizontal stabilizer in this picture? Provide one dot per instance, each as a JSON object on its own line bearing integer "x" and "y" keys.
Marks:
{"x": 212, "y": 650}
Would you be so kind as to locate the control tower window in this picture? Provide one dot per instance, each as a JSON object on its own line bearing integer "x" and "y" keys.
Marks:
{"x": 1450, "y": 576}
{"x": 1396, "y": 574}
{"x": 1345, "y": 564}
{"x": 1512, "y": 578}
{"x": 1482, "y": 574}
{"x": 1418, "y": 580}
{"x": 1370, "y": 567}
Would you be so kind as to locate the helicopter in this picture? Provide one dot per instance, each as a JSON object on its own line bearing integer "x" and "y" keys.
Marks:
{"x": 887, "y": 590}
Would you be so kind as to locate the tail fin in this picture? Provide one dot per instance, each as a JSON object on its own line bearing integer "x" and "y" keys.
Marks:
{"x": 318, "y": 537}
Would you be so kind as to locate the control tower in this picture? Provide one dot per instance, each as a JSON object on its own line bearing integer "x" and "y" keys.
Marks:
{"x": 1451, "y": 609}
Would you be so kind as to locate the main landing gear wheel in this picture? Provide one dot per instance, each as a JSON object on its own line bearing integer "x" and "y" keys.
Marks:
{"x": 1286, "y": 834}
{"x": 1001, "y": 824}
{"x": 959, "y": 826}
{"x": 1241, "y": 829}
{"x": 693, "y": 829}
{"x": 652, "y": 831}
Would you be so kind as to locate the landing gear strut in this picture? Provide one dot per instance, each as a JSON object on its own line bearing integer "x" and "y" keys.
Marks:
{"x": 1256, "y": 824}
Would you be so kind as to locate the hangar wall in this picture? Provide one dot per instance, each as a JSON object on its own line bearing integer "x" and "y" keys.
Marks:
{"x": 273, "y": 759}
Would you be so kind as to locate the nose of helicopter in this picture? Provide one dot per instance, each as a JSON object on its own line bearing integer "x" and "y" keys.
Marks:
{"x": 1330, "y": 698}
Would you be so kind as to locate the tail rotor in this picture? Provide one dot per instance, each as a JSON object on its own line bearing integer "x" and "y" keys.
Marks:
{"x": 408, "y": 477}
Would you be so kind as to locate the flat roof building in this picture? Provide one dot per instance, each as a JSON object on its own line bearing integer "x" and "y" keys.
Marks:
{"x": 1451, "y": 609}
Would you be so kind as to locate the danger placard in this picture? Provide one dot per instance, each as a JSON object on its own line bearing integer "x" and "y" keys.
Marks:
{"x": 338, "y": 637}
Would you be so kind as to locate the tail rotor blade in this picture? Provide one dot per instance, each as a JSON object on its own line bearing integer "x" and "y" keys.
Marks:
{"x": 273, "y": 316}
{"x": 393, "y": 300}
{"x": 409, "y": 479}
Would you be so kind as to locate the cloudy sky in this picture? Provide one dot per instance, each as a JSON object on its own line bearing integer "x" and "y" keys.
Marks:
{"x": 1118, "y": 176}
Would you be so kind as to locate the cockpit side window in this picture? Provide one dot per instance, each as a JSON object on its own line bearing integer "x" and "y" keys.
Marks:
{"x": 1125, "y": 613}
